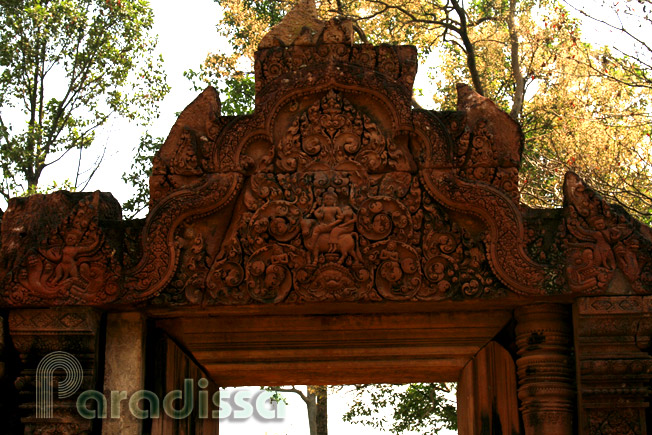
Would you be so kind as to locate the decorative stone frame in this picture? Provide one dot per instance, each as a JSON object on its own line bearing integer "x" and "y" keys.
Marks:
{"x": 338, "y": 235}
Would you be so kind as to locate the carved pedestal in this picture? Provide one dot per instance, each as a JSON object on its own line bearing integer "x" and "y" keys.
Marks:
{"x": 546, "y": 390}
{"x": 612, "y": 340}
{"x": 36, "y": 334}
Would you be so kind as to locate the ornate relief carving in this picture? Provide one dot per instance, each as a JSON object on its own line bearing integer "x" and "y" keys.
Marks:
{"x": 72, "y": 263}
{"x": 336, "y": 235}
{"x": 504, "y": 236}
{"x": 161, "y": 244}
{"x": 186, "y": 154}
{"x": 36, "y": 333}
{"x": 545, "y": 377}
{"x": 490, "y": 146}
{"x": 396, "y": 63}
{"x": 613, "y": 336}
{"x": 336, "y": 189}
{"x": 614, "y": 422}
{"x": 332, "y": 133}
{"x": 601, "y": 240}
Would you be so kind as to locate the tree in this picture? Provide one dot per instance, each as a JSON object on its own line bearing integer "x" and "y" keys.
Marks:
{"x": 316, "y": 400}
{"x": 66, "y": 67}
{"x": 629, "y": 23}
{"x": 424, "y": 407}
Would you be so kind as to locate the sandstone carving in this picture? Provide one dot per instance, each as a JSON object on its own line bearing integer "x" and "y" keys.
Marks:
{"x": 337, "y": 224}
{"x": 333, "y": 189}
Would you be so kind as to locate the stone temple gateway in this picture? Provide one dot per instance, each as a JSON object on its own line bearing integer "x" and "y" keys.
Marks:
{"x": 335, "y": 235}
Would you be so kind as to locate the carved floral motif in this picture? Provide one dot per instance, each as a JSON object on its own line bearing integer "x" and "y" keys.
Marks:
{"x": 339, "y": 236}
{"x": 505, "y": 231}
{"x": 161, "y": 244}
{"x": 332, "y": 132}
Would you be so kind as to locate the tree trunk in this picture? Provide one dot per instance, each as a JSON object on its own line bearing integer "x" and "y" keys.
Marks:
{"x": 311, "y": 404}
{"x": 519, "y": 80}
{"x": 322, "y": 409}
{"x": 317, "y": 404}
{"x": 469, "y": 48}
{"x": 316, "y": 401}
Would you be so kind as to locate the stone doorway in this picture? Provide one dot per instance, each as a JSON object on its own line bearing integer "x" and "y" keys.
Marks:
{"x": 282, "y": 347}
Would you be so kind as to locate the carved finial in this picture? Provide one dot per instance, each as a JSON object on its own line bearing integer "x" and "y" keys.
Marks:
{"x": 300, "y": 26}
{"x": 505, "y": 132}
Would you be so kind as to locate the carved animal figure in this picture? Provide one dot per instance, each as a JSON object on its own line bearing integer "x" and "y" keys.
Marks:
{"x": 337, "y": 236}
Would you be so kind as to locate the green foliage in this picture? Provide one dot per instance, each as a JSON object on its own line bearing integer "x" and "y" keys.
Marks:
{"x": 67, "y": 66}
{"x": 237, "y": 92}
{"x": 426, "y": 408}
{"x": 141, "y": 169}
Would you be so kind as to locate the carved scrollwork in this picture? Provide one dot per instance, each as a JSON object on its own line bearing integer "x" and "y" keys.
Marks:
{"x": 382, "y": 217}
{"x": 310, "y": 236}
{"x": 161, "y": 249}
{"x": 280, "y": 219}
{"x": 331, "y": 132}
{"x": 269, "y": 272}
{"x": 398, "y": 273}
{"x": 504, "y": 235}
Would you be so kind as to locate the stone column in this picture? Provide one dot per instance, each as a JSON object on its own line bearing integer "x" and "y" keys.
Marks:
{"x": 124, "y": 371}
{"x": 544, "y": 368}
{"x": 58, "y": 350}
{"x": 614, "y": 368}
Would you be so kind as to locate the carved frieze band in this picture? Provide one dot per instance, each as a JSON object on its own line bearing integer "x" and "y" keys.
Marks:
{"x": 613, "y": 337}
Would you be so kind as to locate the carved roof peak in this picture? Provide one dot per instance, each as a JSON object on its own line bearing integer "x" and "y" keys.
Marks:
{"x": 302, "y": 26}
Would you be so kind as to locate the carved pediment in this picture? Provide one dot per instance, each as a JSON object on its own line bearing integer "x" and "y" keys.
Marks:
{"x": 334, "y": 134}
{"x": 334, "y": 235}
{"x": 334, "y": 189}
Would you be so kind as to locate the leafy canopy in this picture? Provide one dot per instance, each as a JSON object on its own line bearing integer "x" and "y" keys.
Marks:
{"x": 67, "y": 66}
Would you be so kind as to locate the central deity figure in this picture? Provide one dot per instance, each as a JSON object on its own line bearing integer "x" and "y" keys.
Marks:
{"x": 332, "y": 231}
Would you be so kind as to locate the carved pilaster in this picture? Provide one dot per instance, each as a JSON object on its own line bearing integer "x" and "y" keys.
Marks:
{"x": 612, "y": 340}
{"x": 544, "y": 367}
{"x": 35, "y": 334}
{"x": 10, "y": 424}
